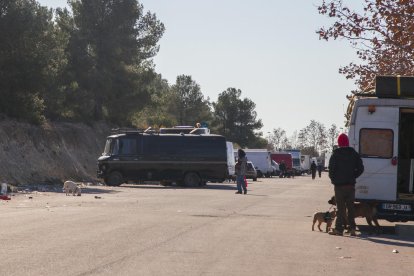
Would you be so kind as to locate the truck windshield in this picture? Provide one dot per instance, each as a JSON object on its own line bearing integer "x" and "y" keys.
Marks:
{"x": 108, "y": 148}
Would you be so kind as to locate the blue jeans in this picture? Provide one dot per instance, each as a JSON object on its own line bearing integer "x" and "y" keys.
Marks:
{"x": 241, "y": 183}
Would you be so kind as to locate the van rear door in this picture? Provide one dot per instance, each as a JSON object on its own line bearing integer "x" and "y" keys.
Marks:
{"x": 231, "y": 163}
{"x": 376, "y": 139}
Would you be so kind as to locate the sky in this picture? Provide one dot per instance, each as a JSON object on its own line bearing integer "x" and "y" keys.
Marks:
{"x": 268, "y": 49}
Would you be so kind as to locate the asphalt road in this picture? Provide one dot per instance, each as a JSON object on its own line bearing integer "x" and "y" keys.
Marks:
{"x": 156, "y": 230}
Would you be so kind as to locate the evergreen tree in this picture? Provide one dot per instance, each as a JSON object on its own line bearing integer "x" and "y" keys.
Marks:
{"x": 26, "y": 44}
{"x": 111, "y": 46}
{"x": 235, "y": 118}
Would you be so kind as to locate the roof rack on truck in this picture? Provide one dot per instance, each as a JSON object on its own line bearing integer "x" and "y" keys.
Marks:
{"x": 184, "y": 130}
{"x": 123, "y": 130}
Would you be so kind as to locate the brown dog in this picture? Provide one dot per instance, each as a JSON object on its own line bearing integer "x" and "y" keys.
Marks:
{"x": 363, "y": 210}
{"x": 326, "y": 217}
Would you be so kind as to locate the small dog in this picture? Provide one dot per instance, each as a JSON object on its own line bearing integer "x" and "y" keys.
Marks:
{"x": 326, "y": 217}
{"x": 70, "y": 187}
{"x": 363, "y": 210}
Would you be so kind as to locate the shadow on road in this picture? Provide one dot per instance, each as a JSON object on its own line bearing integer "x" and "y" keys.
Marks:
{"x": 209, "y": 186}
{"x": 388, "y": 236}
{"x": 97, "y": 190}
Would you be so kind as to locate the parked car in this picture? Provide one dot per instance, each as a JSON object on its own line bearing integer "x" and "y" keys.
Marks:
{"x": 251, "y": 172}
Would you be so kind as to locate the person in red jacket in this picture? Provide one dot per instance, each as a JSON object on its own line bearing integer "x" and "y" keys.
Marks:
{"x": 345, "y": 166}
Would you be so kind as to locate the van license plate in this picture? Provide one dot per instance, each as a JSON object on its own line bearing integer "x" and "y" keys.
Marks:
{"x": 399, "y": 207}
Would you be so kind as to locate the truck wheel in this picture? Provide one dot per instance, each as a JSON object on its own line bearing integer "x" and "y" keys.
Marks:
{"x": 114, "y": 179}
{"x": 254, "y": 179}
{"x": 192, "y": 179}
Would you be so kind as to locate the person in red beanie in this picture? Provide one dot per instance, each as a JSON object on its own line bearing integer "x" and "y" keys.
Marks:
{"x": 345, "y": 166}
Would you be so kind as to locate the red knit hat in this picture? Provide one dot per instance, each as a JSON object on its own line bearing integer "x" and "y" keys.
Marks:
{"x": 343, "y": 140}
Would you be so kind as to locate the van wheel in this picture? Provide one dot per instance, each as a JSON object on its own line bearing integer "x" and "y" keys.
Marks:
{"x": 114, "y": 179}
{"x": 254, "y": 179}
{"x": 192, "y": 179}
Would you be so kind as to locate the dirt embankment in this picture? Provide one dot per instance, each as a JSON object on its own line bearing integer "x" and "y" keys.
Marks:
{"x": 51, "y": 153}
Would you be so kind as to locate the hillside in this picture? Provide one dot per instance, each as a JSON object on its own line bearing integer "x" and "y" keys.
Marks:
{"x": 51, "y": 153}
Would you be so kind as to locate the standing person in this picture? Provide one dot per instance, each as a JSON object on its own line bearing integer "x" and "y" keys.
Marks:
{"x": 313, "y": 169}
{"x": 345, "y": 166}
{"x": 241, "y": 168}
{"x": 320, "y": 169}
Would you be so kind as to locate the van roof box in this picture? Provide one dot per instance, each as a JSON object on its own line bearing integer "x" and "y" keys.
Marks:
{"x": 394, "y": 87}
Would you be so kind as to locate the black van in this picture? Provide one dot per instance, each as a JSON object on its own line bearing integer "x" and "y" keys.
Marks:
{"x": 186, "y": 159}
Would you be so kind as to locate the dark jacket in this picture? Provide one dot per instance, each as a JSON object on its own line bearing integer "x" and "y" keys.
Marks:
{"x": 313, "y": 167}
{"x": 345, "y": 165}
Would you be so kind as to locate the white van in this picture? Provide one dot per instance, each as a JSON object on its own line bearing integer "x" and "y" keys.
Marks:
{"x": 231, "y": 162}
{"x": 382, "y": 131}
{"x": 261, "y": 160}
{"x": 305, "y": 163}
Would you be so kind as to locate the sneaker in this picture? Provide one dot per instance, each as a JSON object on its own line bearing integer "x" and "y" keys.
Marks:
{"x": 335, "y": 232}
{"x": 238, "y": 192}
{"x": 245, "y": 192}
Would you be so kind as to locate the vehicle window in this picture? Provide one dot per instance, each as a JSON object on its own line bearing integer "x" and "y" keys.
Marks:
{"x": 107, "y": 149}
{"x": 166, "y": 145}
{"x": 249, "y": 166}
{"x": 376, "y": 143}
{"x": 204, "y": 147}
{"x": 127, "y": 146}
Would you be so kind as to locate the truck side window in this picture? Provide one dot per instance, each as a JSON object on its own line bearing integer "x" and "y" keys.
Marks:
{"x": 127, "y": 146}
{"x": 376, "y": 143}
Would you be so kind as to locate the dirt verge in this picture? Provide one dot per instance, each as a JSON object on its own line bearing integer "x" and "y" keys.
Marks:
{"x": 50, "y": 153}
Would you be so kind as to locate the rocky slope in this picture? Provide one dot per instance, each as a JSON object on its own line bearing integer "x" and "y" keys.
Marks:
{"x": 51, "y": 153}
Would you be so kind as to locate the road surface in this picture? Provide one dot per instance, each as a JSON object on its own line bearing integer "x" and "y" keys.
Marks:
{"x": 156, "y": 230}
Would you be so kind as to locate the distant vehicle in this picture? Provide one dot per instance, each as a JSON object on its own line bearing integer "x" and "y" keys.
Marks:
{"x": 275, "y": 168}
{"x": 186, "y": 159}
{"x": 326, "y": 161}
{"x": 296, "y": 161}
{"x": 280, "y": 156}
{"x": 262, "y": 161}
{"x": 231, "y": 162}
{"x": 251, "y": 172}
{"x": 305, "y": 163}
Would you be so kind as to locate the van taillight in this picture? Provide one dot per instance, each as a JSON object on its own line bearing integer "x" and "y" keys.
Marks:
{"x": 394, "y": 161}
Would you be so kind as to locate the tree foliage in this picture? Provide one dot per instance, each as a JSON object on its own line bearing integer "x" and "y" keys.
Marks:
{"x": 313, "y": 136}
{"x": 157, "y": 112}
{"x": 381, "y": 33}
{"x": 91, "y": 63}
{"x": 332, "y": 135}
{"x": 278, "y": 139}
{"x": 188, "y": 103}
{"x": 312, "y": 140}
{"x": 26, "y": 42}
{"x": 110, "y": 50}
{"x": 236, "y": 118}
